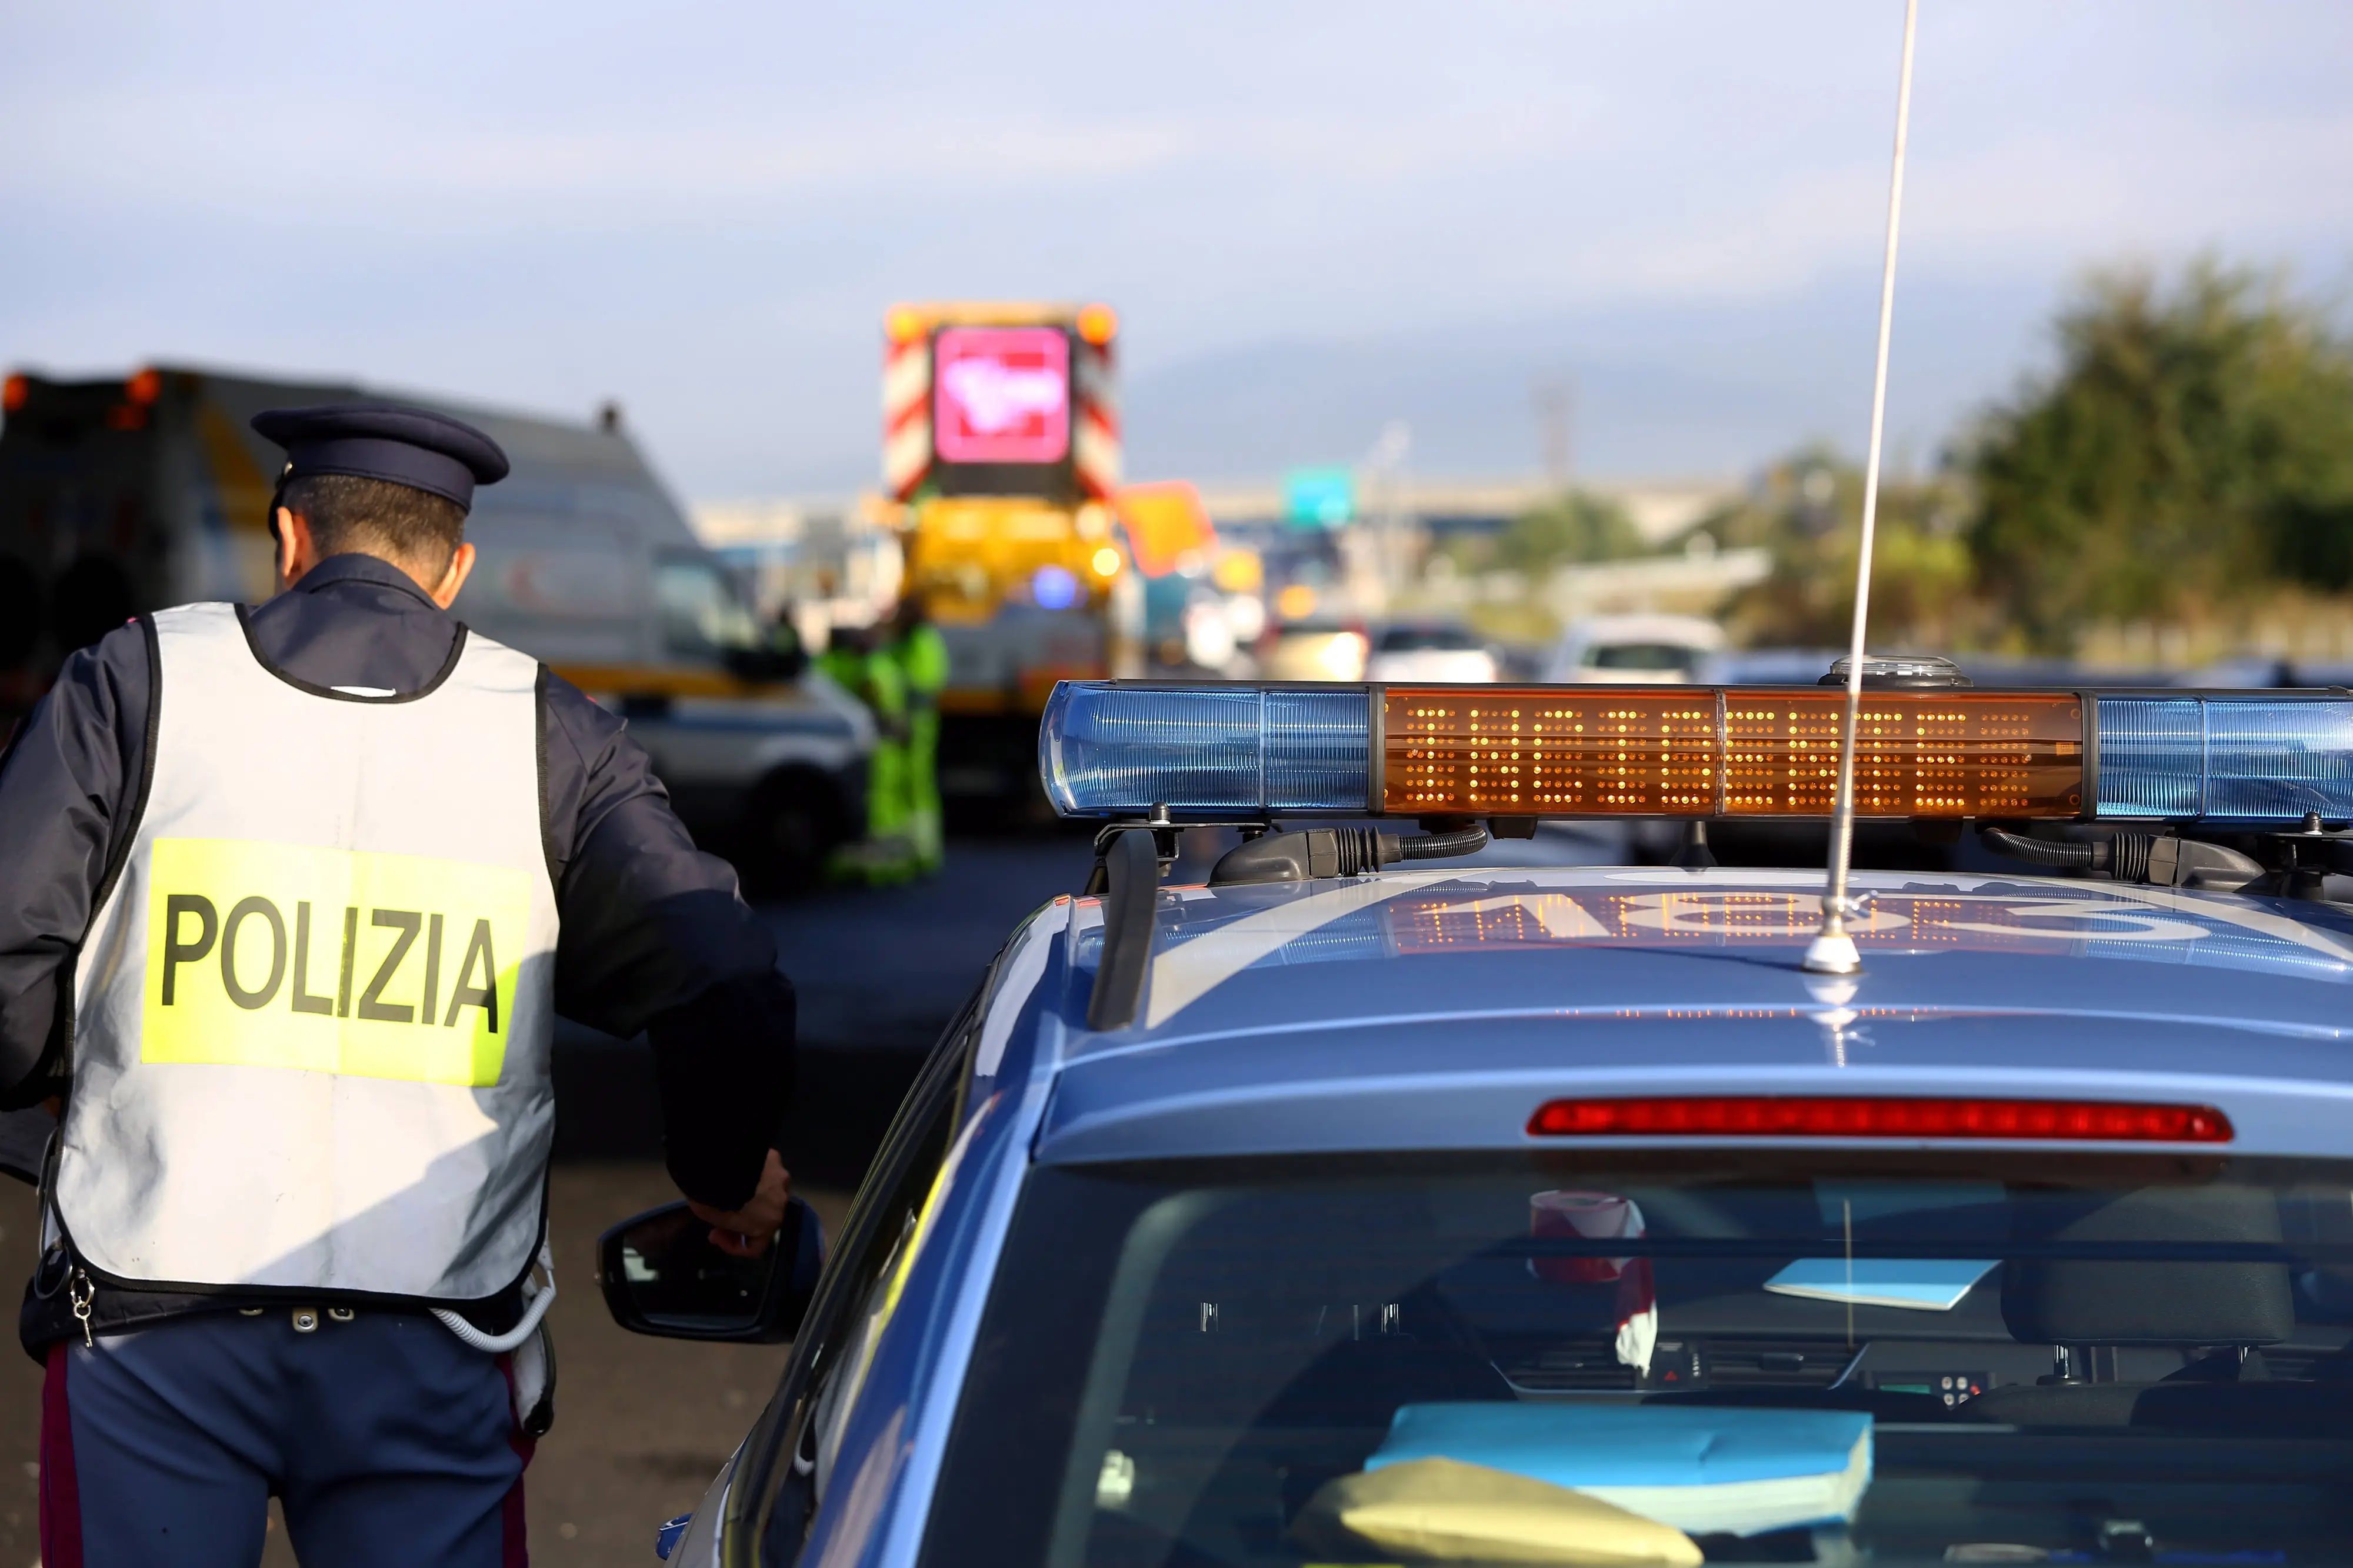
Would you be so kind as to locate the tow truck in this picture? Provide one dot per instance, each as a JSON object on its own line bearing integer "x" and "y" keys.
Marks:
{"x": 1002, "y": 451}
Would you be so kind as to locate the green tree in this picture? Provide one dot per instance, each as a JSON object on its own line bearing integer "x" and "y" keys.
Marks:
{"x": 1807, "y": 510}
{"x": 2194, "y": 447}
{"x": 1569, "y": 529}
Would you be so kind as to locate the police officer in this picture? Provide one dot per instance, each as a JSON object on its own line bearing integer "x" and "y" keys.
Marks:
{"x": 860, "y": 661}
{"x": 294, "y": 895}
{"x": 921, "y": 656}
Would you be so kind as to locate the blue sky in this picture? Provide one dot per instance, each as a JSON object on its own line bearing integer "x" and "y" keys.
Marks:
{"x": 1313, "y": 218}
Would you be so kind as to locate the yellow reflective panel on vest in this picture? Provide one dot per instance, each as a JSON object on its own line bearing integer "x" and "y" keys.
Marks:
{"x": 287, "y": 955}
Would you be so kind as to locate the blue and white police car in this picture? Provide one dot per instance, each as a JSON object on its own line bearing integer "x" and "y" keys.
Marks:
{"x": 1357, "y": 1207}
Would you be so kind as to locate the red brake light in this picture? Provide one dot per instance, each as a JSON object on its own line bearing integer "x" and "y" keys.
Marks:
{"x": 145, "y": 387}
{"x": 13, "y": 392}
{"x": 1845, "y": 1116}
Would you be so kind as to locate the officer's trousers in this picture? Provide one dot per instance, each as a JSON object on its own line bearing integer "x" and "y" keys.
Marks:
{"x": 386, "y": 1440}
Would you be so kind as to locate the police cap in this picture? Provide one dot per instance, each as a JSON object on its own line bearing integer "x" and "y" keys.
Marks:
{"x": 404, "y": 445}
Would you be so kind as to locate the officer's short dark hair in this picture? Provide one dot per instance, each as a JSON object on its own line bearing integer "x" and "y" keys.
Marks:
{"x": 375, "y": 517}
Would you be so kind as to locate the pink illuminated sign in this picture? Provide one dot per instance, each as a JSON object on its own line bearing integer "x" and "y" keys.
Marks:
{"x": 1002, "y": 395}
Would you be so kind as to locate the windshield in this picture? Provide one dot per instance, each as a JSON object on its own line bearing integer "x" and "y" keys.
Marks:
{"x": 1428, "y": 639}
{"x": 1762, "y": 1357}
{"x": 1642, "y": 656}
{"x": 704, "y": 615}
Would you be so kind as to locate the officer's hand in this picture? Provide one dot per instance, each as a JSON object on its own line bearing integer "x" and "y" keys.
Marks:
{"x": 746, "y": 1232}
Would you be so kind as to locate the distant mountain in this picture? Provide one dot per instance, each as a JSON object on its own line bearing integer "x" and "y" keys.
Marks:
{"x": 1659, "y": 388}
{"x": 1666, "y": 387}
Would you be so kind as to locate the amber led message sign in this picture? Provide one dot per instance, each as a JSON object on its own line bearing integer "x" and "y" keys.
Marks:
{"x": 1727, "y": 751}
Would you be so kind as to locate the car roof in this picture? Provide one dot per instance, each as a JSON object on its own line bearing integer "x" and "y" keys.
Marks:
{"x": 1437, "y": 1007}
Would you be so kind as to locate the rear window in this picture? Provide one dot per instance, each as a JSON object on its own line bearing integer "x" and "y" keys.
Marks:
{"x": 1643, "y": 656}
{"x": 1762, "y": 1357}
{"x": 1428, "y": 639}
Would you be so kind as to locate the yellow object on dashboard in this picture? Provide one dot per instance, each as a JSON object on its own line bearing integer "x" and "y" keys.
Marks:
{"x": 1439, "y": 1511}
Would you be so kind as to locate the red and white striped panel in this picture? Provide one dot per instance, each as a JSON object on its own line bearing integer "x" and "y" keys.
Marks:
{"x": 1094, "y": 431}
{"x": 906, "y": 416}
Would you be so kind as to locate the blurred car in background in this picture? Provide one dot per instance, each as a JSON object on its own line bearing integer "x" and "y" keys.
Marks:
{"x": 1810, "y": 667}
{"x": 1767, "y": 665}
{"x": 1314, "y": 650}
{"x": 2259, "y": 670}
{"x": 1647, "y": 649}
{"x": 1434, "y": 652}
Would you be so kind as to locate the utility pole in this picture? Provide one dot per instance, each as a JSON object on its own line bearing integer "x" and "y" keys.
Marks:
{"x": 1556, "y": 424}
{"x": 1387, "y": 459}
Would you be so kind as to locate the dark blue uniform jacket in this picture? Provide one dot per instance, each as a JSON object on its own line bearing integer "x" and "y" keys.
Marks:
{"x": 654, "y": 936}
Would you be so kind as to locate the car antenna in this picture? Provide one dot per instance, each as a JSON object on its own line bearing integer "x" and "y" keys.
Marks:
{"x": 1833, "y": 950}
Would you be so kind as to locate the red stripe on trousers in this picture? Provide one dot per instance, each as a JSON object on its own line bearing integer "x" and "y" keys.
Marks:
{"x": 514, "y": 1549}
{"x": 60, "y": 1491}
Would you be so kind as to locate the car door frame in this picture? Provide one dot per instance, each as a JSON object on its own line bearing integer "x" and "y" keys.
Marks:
{"x": 908, "y": 1151}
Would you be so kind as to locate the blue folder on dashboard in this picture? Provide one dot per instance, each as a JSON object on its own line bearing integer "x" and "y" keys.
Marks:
{"x": 1917, "y": 1284}
{"x": 1704, "y": 1469}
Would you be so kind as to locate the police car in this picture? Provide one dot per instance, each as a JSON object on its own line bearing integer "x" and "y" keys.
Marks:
{"x": 1359, "y": 1207}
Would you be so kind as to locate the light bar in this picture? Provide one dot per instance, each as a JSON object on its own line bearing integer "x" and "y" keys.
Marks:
{"x": 1119, "y": 747}
{"x": 2253, "y": 758}
{"x": 1855, "y": 1116}
{"x": 1598, "y": 751}
{"x": 1110, "y": 749}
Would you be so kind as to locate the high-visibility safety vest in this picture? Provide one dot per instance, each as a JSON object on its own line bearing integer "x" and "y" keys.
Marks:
{"x": 313, "y": 1012}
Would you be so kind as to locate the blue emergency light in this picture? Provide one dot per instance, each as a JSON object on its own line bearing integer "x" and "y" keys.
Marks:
{"x": 1111, "y": 748}
{"x": 2240, "y": 757}
{"x": 1242, "y": 751}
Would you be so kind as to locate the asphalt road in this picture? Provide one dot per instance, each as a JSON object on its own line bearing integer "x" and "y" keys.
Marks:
{"x": 885, "y": 968}
{"x": 879, "y": 972}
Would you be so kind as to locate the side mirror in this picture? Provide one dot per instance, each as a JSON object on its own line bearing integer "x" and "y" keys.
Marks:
{"x": 792, "y": 655}
{"x": 662, "y": 1276}
{"x": 779, "y": 658}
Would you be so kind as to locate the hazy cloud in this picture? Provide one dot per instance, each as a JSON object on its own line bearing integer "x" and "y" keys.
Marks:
{"x": 703, "y": 211}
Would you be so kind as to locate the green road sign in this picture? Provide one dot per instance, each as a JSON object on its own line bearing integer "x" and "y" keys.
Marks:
{"x": 1319, "y": 497}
